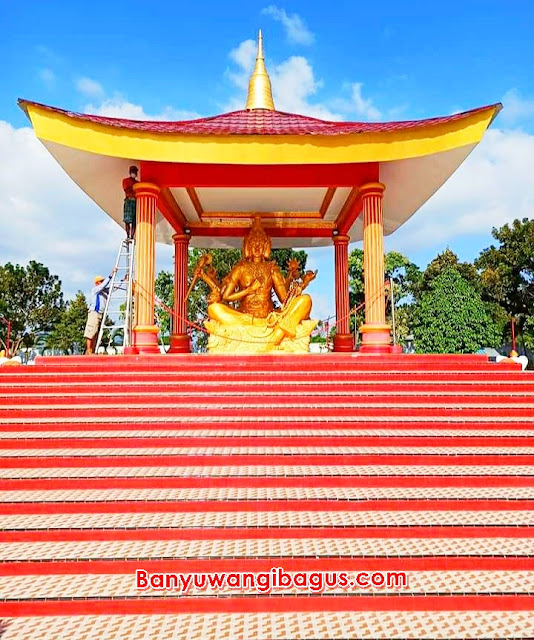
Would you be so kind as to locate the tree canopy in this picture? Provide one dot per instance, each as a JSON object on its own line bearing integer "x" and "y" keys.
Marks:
{"x": 451, "y": 317}
{"x": 404, "y": 273}
{"x": 507, "y": 270}
{"x": 31, "y": 299}
{"x": 164, "y": 290}
{"x": 67, "y": 335}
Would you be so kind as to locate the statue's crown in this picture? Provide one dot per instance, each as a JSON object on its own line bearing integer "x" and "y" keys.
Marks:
{"x": 257, "y": 234}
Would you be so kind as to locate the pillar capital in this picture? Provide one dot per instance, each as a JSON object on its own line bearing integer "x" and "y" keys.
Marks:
{"x": 181, "y": 238}
{"x": 146, "y": 189}
{"x": 340, "y": 239}
{"x": 371, "y": 188}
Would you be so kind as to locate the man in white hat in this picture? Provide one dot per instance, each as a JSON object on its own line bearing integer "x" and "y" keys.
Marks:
{"x": 99, "y": 296}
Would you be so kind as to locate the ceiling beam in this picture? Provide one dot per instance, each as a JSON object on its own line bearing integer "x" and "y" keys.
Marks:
{"x": 171, "y": 211}
{"x": 349, "y": 211}
{"x": 330, "y": 192}
{"x": 195, "y": 201}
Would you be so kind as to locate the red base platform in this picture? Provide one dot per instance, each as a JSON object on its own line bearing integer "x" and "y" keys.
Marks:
{"x": 189, "y": 463}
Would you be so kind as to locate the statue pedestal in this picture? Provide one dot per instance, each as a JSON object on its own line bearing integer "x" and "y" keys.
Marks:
{"x": 254, "y": 338}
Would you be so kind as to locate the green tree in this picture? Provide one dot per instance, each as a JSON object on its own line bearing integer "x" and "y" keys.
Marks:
{"x": 31, "y": 299}
{"x": 507, "y": 272}
{"x": 451, "y": 317}
{"x": 405, "y": 275}
{"x": 164, "y": 287}
{"x": 443, "y": 261}
{"x": 528, "y": 333}
{"x": 449, "y": 260}
{"x": 67, "y": 335}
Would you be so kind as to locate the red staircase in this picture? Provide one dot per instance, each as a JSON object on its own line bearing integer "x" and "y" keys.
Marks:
{"x": 421, "y": 464}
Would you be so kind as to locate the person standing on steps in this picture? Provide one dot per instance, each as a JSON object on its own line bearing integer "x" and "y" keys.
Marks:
{"x": 129, "y": 213}
{"x": 99, "y": 295}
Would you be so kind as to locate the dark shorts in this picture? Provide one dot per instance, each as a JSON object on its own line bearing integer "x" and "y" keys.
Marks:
{"x": 129, "y": 211}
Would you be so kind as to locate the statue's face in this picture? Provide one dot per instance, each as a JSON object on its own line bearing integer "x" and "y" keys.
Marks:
{"x": 257, "y": 248}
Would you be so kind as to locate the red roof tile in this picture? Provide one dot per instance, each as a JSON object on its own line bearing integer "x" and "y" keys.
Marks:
{"x": 257, "y": 122}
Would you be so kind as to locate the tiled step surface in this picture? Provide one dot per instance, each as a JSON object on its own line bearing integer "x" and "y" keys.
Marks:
{"x": 36, "y": 469}
{"x": 105, "y": 586}
{"x": 196, "y": 464}
{"x": 397, "y": 625}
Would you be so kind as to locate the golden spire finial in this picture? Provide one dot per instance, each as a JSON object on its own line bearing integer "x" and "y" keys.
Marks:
{"x": 260, "y": 95}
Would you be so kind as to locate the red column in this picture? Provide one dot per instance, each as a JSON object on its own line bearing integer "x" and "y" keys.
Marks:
{"x": 180, "y": 342}
{"x": 145, "y": 332}
{"x": 343, "y": 340}
{"x": 376, "y": 334}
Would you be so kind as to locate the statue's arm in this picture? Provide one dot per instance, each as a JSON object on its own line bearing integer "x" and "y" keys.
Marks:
{"x": 229, "y": 293}
{"x": 279, "y": 283}
{"x": 211, "y": 280}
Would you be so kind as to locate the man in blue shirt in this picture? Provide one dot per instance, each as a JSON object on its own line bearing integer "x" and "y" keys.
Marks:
{"x": 99, "y": 296}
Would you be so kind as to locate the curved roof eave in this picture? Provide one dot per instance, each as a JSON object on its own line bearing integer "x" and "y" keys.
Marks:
{"x": 267, "y": 137}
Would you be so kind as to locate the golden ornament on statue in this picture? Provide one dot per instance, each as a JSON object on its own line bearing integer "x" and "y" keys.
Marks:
{"x": 242, "y": 315}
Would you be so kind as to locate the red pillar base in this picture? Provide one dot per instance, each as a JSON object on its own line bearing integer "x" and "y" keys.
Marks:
{"x": 376, "y": 338}
{"x": 343, "y": 342}
{"x": 180, "y": 343}
{"x": 146, "y": 339}
{"x": 130, "y": 351}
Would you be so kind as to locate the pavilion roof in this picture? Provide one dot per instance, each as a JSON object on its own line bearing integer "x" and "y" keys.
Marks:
{"x": 301, "y": 174}
{"x": 259, "y": 122}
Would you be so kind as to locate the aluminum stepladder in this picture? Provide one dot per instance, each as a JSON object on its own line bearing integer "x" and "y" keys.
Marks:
{"x": 119, "y": 303}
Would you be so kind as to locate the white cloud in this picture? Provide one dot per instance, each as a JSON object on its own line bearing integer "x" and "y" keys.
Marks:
{"x": 120, "y": 107}
{"x": 44, "y": 216}
{"x": 494, "y": 186}
{"x": 356, "y": 106}
{"x": 294, "y": 85}
{"x": 296, "y": 31}
{"x": 516, "y": 107}
{"x": 363, "y": 107}
{"x": 243, "y": 56}
{"x": 48, "y": 77}
{"x": 90, "y": 88}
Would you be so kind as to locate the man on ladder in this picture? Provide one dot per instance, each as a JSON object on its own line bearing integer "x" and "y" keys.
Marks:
{"x": 105, "y": 288}
{"x": 99, "y": 296}
{"x": 129, "y": 202}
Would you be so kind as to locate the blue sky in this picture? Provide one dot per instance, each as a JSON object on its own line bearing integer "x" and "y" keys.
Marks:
{"x": 340, "y": 60}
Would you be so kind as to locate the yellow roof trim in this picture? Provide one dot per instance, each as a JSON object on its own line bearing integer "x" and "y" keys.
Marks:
{"x": 380, "y": 146}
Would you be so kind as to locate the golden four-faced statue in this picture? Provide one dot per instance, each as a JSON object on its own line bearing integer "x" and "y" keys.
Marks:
{"x": 242, "y": 316}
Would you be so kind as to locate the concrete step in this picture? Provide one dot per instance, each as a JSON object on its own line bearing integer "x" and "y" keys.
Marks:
{"x": 108, "y": 441}
{"x": 188, "y": 464}
{"x": 433, "y": 427}
{"x": 106, "y": 377}
{"x": 136, "y": 393}
{"x": 402, "y": 623}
